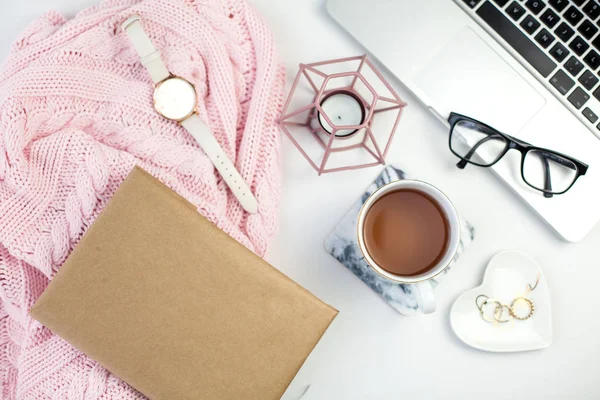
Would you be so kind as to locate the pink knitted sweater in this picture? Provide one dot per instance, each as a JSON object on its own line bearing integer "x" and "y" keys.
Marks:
{"x": 76, "y": 115}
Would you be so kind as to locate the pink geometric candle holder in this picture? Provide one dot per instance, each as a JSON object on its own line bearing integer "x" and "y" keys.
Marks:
{"x": 341, "y": 114}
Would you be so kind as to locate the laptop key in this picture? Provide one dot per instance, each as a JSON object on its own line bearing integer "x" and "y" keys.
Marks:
{"x": 559, "y": 52}
{"x": 562, "y": 82}
{"x": 573, "y": 15}
{"x": 573, "y": 66}
{"x": 578, "y": 98}
{"x": 559, "y": 5}
{"x": 579, "y": 46}
{"x": 578, "y": 2}
{"x": 592, "y": 9}
{"x": 530, "y": 24}
{"x": 535, "y": 6}
{"x": 472, "y": 3}
{"x": 592, "y": 59}
{"x": 515, "y": 11}
{"x": 516, "y": 39}
{"x": 596, "y": 42}
{"x": 588, "y": 80}
{"x": 587, "y": 29}
{"x": 564, "y": 32}
{"x": 589, "y": 114}
{"x": 544, "y": 38}
{"x": 501, "y": 3}
{"x": 549, "y": 18}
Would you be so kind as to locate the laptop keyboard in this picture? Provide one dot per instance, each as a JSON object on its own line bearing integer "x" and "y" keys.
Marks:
{"x": 560, "y": 39}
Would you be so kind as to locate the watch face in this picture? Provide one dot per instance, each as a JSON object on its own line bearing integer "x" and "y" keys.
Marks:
{"x": 175, "y": 99}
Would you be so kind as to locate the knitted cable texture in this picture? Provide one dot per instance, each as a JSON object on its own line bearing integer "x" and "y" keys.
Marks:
{"x": 76, "y": 115}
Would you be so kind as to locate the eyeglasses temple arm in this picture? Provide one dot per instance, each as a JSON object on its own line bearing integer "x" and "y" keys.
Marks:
{"x": 547, "y": 178}
{"x": 464, "y": 160}
{"x": 561, "y": 161}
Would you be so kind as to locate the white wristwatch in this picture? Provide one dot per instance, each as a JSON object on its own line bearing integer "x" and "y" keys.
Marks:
{"x": 175, "y": 99}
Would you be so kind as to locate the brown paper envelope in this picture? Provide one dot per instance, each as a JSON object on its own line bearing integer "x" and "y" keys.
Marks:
{"x": 175, "y": 307}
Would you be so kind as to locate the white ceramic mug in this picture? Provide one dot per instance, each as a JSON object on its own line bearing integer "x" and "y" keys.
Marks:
{"x": 422, "y": 282}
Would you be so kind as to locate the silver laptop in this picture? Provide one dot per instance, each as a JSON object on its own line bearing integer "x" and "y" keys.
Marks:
{"x": 528, "y": 68}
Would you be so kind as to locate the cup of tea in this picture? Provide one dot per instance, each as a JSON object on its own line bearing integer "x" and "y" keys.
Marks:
{"x": 409, "y": 232}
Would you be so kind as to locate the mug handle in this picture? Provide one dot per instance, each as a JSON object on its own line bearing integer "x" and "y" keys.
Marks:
{"x": 425, "y": 297}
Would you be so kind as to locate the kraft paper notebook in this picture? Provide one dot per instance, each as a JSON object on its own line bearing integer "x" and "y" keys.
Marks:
{"x": 175, "y": 307}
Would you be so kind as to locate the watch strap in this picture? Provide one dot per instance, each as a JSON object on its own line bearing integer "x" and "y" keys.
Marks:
{"x": 198, "y": 129}
{"x": 151, "y": 58}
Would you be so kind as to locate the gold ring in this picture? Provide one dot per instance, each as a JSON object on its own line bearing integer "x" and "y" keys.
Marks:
{"x": 482, "y": 309}
{"x": 477, "y": 301}
{"x": 529, "y": 304}
{"x": 498, "y": 315}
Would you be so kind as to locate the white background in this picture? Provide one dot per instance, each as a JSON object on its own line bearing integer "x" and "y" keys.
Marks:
{"x": 370, "y": 351}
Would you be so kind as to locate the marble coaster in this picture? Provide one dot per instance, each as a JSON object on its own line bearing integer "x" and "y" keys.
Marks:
{"x": 342, "y": 244}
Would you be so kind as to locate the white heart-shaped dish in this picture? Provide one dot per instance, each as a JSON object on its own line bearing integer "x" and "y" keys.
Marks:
{"x": 506, "y": 277}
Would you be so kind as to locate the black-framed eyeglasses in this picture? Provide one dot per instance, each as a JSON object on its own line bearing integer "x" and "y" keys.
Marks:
{"x": 479, "y": 144}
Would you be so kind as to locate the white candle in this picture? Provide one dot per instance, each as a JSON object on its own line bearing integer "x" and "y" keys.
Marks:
{"x": 343, "y": 108}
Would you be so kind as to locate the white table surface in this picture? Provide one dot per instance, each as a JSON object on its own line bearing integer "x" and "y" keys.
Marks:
{"x": 370, "y": 351}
